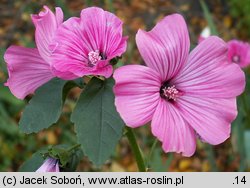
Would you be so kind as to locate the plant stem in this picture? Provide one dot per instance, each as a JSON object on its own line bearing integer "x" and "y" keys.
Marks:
{"x": 240, "y": 131}
{"x": 208, "y": 17}
{"x": 136, "y": 150}
{"x": 151, "y": 152}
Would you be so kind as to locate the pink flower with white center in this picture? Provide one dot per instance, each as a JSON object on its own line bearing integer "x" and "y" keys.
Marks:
{"x": 29, "y": 68}
{"x": 85, "y": 45}
{"x": 49, "y": 165}
{"x": 185, "y": 96}
{"x": 239, "y": 53}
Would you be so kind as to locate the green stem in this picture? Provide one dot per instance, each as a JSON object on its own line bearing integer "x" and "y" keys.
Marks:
{"x": 240, "y": 132}
{"x": 136, "y": 150}
{"x": 208, "y": 17}
{"x": 151, "y": 152}
{"x": 74, "y": 147}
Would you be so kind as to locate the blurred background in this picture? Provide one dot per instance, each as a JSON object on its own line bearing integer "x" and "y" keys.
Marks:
{"x": 232, "y": 20}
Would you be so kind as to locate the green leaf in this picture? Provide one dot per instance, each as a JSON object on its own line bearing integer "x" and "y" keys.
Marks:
{"x": 32, "y": 164}
{"x": 44, "y": 108}
{"x": 209, "y": 18}
{"x": 158, "y": 165}
{"x": 98, "y": 125}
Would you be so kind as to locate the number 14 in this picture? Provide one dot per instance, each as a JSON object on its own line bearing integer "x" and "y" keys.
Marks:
{"x": 242, "y": 180}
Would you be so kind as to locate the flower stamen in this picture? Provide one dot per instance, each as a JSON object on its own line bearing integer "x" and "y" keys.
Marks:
{"x": 170, "y": 92}
{"x": 94, "y": 56}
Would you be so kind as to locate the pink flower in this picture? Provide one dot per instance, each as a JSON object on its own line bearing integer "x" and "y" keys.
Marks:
{"x": 49, "y": 165}
{"x": 185, "y": 96}
{"x": 205, "y": 33}
{"x": 29, "y": 68}
{"x": 85, "y": 45}
{"x": 239, "y": 52}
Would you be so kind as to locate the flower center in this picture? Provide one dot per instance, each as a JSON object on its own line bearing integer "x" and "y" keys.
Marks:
{"x": 169, "y": 92}
{"x": 236, "y": 59}
{"x": 94, "y": 56}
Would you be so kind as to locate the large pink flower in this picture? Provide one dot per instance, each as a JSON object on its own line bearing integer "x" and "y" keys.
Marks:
{"x": 29, "y": 68}
{"x": 239, "y": 52}
{"x": 184, "y": 96}
{"x": 85, "y": 45}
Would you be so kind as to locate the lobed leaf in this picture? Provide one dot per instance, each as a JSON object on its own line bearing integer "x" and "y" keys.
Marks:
{"x": 98, "y": 124}
{"x": 44, "y": 109}
{"x": 32, "y": 164}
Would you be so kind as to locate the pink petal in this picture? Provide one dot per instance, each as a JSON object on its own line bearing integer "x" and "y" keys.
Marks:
{"x": 96, "y": 30}
{"x": 59, "y": 16}
{"x": 208, "y": 73}
{"x": 121, "y": 48}
{"x": 103, "y": 30}
{"x": 63, "y": 75}
{"x": 103, "y": 68}
{"x": 165, "y": 48}
{"x": 66, "y": 75}
{"x": 241, "y": 51}
{"x": 46, "y": 23}
{"x": 136, "y": 93}
{"x": 210, "y": 118}
{"x": 69, "y": 52}
{"x": 27, "y": 70}
{"x": 172, "y": 130}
